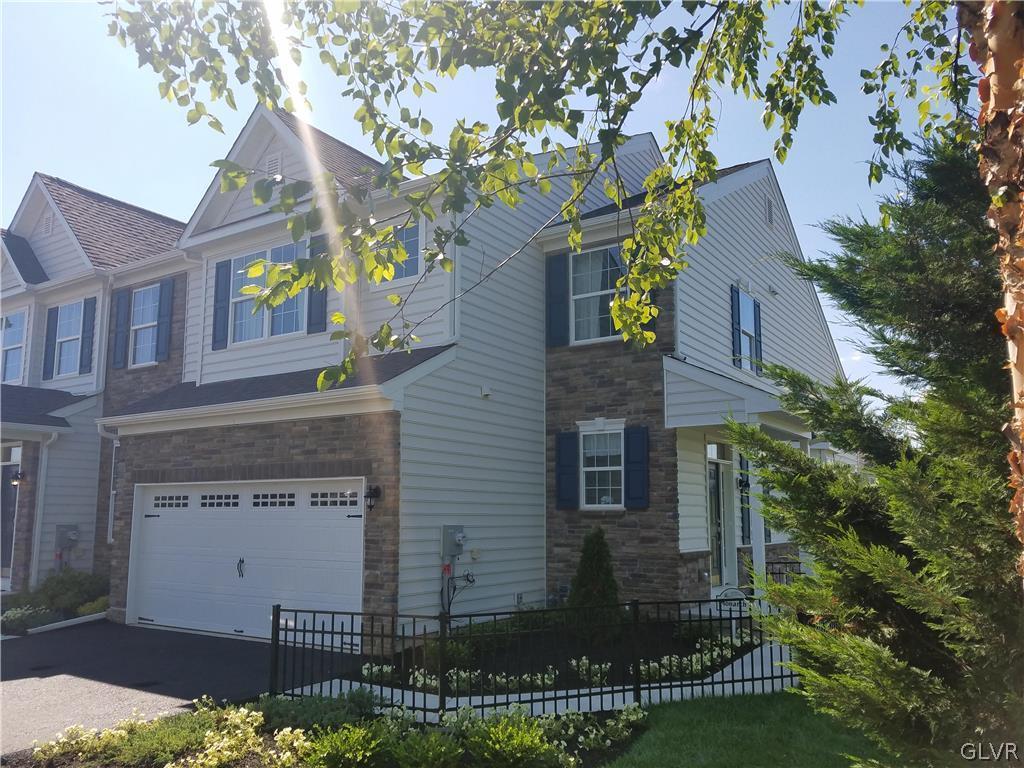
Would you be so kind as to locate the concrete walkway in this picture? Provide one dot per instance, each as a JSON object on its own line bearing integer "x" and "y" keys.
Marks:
{"x": 97, "y": 674}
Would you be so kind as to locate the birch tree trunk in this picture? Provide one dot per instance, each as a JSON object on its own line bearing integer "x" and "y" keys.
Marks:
{"x": 996, "y": 30}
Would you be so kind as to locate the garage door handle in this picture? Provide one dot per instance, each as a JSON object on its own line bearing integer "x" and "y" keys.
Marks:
{"x": 241, "y": 567}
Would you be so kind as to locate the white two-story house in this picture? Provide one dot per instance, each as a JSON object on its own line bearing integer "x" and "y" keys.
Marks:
{"x": 519, "y": 420}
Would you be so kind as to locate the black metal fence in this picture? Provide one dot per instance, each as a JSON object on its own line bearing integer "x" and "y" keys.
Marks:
{"x": 548, "y": 660}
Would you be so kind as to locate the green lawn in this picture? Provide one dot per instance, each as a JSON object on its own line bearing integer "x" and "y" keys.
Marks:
{"x": 771, "y": 731}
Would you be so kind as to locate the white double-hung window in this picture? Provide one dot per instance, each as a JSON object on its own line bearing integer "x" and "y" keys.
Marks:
{"x": 69, "y": 338}
{"x": 409, "y": 238}
{"x": 287, "y": 317}
{"x": 145, "y": 311}
{"x": 601, "y": 464}
{"x": 14, "y": 345}
{"x": 594, "y": 277}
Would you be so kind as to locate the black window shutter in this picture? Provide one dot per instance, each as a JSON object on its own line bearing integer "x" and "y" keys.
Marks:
{"x": 558, "y": 300}
{"x": 50, "y": 350}
{"x": 88, "y": 332}
{"x": 316, "y": 298}
{"x": 567, "y": 470}
{"x": 163, "y": 319}
{"x": 221, "y": 304}
{"x": 122, "y": 326}
{"x": 757, "y": 337}
{"x": 636, "y": 462}
{"x": 737, "y": 346}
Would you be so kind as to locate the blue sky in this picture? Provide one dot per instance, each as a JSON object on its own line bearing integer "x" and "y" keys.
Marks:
{"x": 75, "y": 105}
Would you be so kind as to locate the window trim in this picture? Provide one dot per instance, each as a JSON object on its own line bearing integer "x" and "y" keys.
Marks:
{"x": 132, "y": 328}
{"x": 573, "y": 341}
{"x": 23, "y": 346}
{"x": 58, "y": 340}
{"x": 602, "y": 426}
{"x": 265, "y": 333}
{"x": 407, "y": 279}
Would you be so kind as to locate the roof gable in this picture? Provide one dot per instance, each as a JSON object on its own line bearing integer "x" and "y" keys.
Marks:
{"x": 111, "y": 232}
{"x": 270, "y": 132}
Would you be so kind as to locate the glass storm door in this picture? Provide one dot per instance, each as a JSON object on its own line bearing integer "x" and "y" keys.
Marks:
{"x": 715, "y": 529}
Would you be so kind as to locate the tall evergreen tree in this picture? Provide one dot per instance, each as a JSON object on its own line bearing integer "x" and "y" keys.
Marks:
{"x": 911, "y": 626}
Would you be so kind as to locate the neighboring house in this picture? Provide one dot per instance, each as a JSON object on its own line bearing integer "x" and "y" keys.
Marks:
{"x": 66, "y": 250}
{"x": 230, "y": 483}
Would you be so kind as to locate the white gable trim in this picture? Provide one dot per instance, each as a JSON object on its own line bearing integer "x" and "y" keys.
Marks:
{"x": 36, "y": 185}
{"x": 259, "y": 115}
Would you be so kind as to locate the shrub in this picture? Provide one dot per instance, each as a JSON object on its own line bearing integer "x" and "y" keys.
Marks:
{"x": 456, "y": 654}
{"x": 315, "y": 711}
{"x": 234, "y": 737}
{"x": 512, "y": 740}
{"x": 594, "y": 593}
{"x": 351, "y": 746}
{"x": 17, "y": 621}
{"x": 99, "y": 605}
{"x": 64, "y": 591}
{"x": 591, "y": 672}
{"x": 429, "y": 749}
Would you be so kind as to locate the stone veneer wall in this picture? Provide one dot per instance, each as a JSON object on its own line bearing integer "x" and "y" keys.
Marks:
{"x": 616, "y": 381}
{"x": 25, "y": 516}
{"x": 124, "y": 386}
{"x": 366, "y": 445}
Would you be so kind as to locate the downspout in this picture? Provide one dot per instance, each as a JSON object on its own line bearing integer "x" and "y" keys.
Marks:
{"x": 112, "y": 497}
{"x": 37, "y": 526}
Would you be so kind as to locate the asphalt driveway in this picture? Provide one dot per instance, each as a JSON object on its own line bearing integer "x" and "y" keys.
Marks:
{"x": 96, "y": 674}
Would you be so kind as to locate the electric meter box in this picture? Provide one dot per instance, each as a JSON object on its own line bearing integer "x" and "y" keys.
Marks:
{"x": 453, "y": 541}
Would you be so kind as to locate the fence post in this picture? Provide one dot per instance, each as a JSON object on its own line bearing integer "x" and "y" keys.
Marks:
{"x": 442, "y": 662}
{"x": 275, "y": 636}
{"x": 634, "y": 608}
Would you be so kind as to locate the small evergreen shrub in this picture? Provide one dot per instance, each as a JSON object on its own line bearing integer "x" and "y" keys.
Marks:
{"x": 315, "y": 711}
{"x": 18, "y": 621}
{"x": 594, "y": 592}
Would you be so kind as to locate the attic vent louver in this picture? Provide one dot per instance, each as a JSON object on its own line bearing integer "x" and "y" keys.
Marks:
{"x": 769, "y": 210}
{"x": 272, "y": 164}
{"x": 47, "y": 226}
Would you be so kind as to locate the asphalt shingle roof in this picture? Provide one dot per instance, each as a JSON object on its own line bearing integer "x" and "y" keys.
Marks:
{"x": 345, "y": 162}
{"x": 369, "y": 370}
{"x": 24, "y": 258}
{"x": 111, "y": 232}
{"x": 34, "y": 405}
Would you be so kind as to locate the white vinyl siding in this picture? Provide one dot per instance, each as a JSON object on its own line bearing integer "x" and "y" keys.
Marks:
{"x": 145, "y": 308}
{"x": 740, "y": 248}
{"x": 479, "y": 461}
{"x": 14, "y": 335}
{"x": 57, "y": 252}
{"x": 692, "y": 489}
{"x": 71, "y": 485}
{"x": 269, "y": 150}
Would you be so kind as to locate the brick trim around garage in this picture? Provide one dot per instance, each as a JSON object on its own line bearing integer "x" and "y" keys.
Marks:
{"x": 365, "y": 445}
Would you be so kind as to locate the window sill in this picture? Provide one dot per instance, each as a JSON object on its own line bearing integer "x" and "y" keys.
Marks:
{"x": 603, "y": 508}
{"x": 591, "y": 342}
{"x": 143, "y": 366}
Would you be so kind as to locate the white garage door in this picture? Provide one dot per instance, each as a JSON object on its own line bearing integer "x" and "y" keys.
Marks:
{"x": 216, "y": 557}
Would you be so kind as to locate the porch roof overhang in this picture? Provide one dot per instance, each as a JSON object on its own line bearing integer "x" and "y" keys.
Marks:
{"x": 699, "y": 397}
{"x": 379, "y": 385}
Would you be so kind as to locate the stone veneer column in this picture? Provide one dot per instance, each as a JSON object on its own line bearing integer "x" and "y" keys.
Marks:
{"x": 25, "y": 516}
